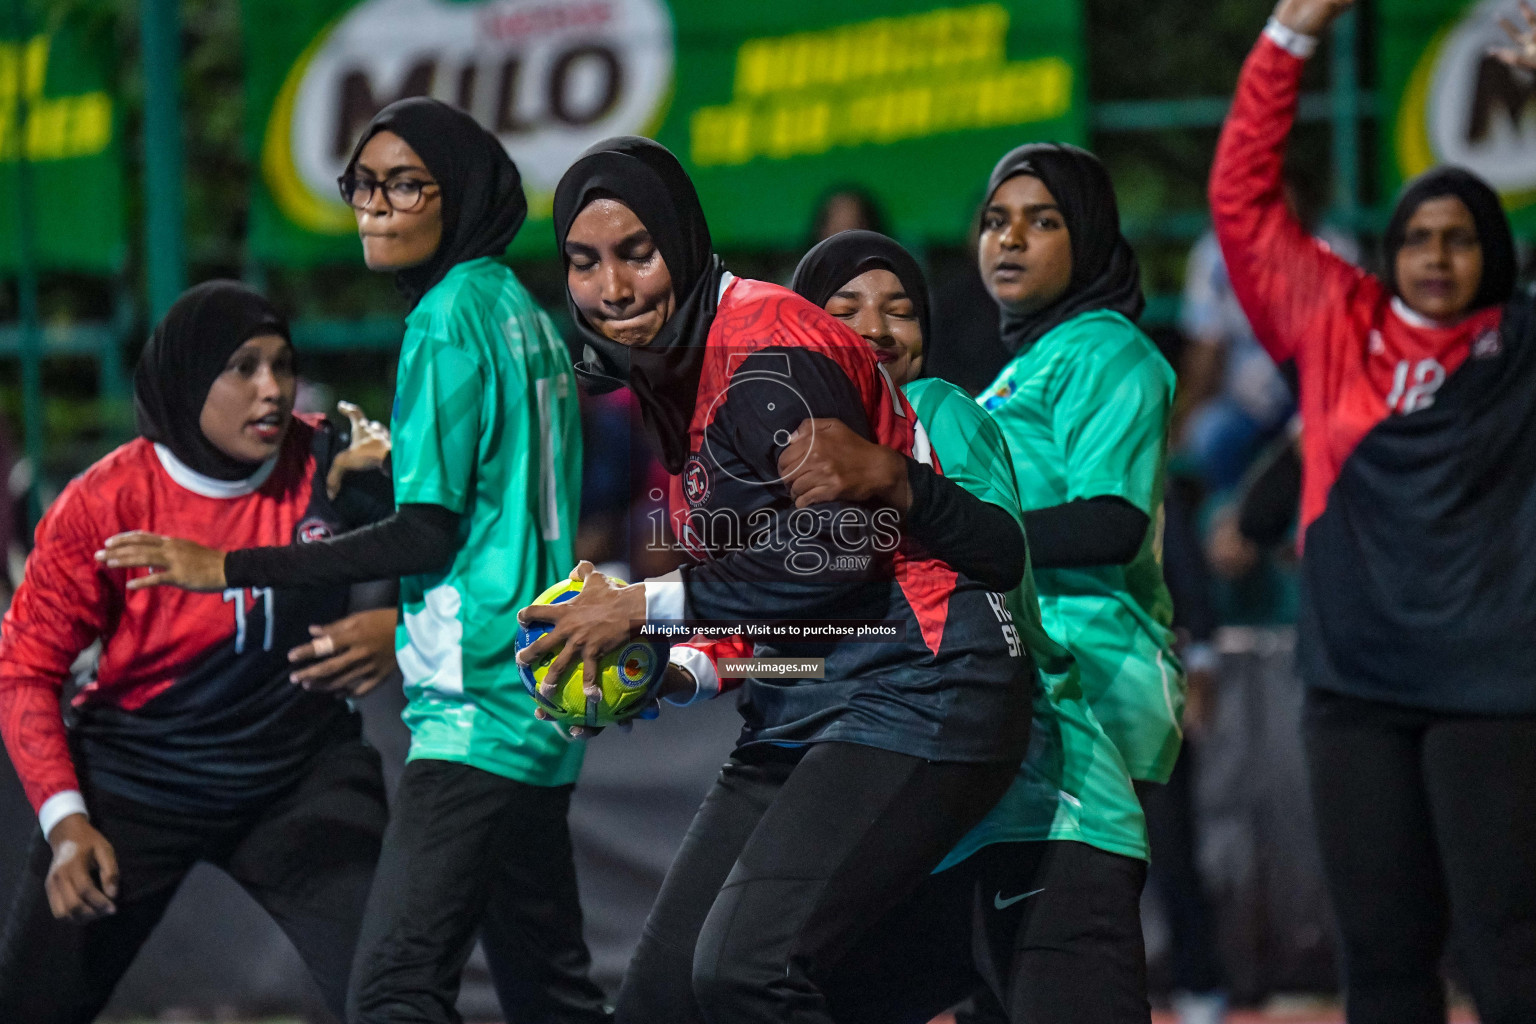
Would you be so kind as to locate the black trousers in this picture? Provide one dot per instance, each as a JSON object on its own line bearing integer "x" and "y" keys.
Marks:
{"x": 468, "y": 851}
{"x": 1427, "y": 824}
{"x": 791, "y": 859}
{"x": 1176, "y": 877}
{"x": 307, "y": 858}
{"x": 1036, "y": 933}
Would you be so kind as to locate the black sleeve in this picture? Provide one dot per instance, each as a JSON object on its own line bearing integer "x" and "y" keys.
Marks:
{"x": 1269, "y": 502}
{"x": 816, "y": 562}
{"x": 366, "y": 495}
{"x": 975, "y": 537}
{"x": 1088, "y": 531}
{"x": 417, "y": 539}
{"x": 373, "y": 595}
{"x": 1184, "y": 567}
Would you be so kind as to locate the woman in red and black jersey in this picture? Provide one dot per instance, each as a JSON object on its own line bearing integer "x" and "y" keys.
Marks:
{"x": 1417, "y": 635}
{"x": 194, "y": 741}
{"x": 846, "y": 789}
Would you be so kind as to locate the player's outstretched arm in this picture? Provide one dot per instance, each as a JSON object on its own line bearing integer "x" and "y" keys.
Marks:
{"x": 174, "y": 561}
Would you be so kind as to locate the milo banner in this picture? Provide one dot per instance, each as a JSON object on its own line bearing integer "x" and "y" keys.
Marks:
{"x": 768, "y": 104}
{"x": 1449, "y": 102}
{"x": 57, "y": 115}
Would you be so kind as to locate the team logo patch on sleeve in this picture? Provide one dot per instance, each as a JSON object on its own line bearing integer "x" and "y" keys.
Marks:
{"x": 313, "y": 529}
{"x": 695, "y": 481}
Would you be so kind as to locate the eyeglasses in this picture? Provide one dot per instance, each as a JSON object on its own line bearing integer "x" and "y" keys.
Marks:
{"x": 403, "y": 195}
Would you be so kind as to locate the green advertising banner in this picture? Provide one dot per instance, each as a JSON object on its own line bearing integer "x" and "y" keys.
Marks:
{"x": 1449, "y": 102}
{"x": 56, "y": 112}
{"x": 768, "y": 104}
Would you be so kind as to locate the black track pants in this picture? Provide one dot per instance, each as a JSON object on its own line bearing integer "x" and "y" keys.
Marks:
{"x": 1427, "y": 824}
{"x": 788, "y": 863}
{"x": 307, "y": 858}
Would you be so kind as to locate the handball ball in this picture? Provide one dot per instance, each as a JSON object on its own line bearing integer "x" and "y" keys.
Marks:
{"x": 631, "y": 673}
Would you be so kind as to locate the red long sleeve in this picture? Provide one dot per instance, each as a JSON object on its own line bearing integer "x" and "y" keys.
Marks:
{"x": 1289, "y": 283}
{"x": 62, "y": 606}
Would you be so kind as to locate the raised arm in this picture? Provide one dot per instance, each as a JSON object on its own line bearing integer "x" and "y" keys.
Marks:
{"x": 1282, "y": 276}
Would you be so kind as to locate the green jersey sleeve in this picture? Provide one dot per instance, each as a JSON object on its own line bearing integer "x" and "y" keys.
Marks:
{"x": 1111, "y": 416}
{"x": 436, "y": 426}
{"x": 970, "y": 445}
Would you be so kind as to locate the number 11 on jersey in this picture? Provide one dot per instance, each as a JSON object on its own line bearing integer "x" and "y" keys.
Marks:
{"x": 237, "y": 595}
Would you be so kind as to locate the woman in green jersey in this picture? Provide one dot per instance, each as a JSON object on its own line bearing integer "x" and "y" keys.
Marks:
{"x": 487, "y": 450}
{"x": 1084, "y": 404}
{"x": 1052, "y": 877}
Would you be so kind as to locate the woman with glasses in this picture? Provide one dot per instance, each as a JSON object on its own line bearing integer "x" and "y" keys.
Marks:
{"x": 487, "y": 453}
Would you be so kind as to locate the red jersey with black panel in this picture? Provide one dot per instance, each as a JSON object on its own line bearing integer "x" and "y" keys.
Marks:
{"x": 1418, "y": 514}
{"x": 190, "y": 708}
{"x": 950, "y": 689}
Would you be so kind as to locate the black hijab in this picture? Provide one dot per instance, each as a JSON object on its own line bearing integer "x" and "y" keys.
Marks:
{"x": 837, "y": 260}
{"x": 1500, "y": 267}
{"x": 188, "y": 350}
{"x": 664, "y": 375}
{"x": 482, "y": 193}
{"x": 1105, "y": 273}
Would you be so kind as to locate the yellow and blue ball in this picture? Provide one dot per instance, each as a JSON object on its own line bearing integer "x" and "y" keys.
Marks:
{"x": 630, "y": 675}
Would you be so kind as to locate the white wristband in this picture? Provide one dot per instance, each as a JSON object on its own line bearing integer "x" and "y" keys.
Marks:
{"x": 58, "y": 807}
{"x": 664, "y": 597}
{"x": 706, "y": 683}
{"x": 1295, "y": 43}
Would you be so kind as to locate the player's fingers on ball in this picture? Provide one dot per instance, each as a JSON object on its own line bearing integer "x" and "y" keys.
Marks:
{"x": 538, "y": 649}
{"x": 553, "y": 674}
{"x": 541, "y": 613}
{"x": 591, "y": 676}
{"x": 541, "y": 714}
{"x": 583, "y": 569}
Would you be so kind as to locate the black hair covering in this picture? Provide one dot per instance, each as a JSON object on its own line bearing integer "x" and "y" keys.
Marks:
{"x": 482, "y": 193}
{"x": 837, "y": 260}
{"x": 664, "y": 375}
{"x": 1105, "y": 273}
{"x": 186, "y": 353}
{"x": 1500, "y": 266}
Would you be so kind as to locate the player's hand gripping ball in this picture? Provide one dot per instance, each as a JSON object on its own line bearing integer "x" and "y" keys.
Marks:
{"x": 631, "y": 674}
